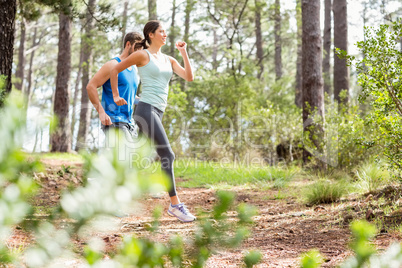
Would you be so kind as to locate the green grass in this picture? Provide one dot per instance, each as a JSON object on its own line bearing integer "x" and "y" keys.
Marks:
{"x": 59, "y": 156}
{"x": 202, "y": 174}
{"x": 325, "y": 191}
{"x": 371, "y": 176}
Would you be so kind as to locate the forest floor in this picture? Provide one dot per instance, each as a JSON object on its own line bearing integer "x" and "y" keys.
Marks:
{"x": 283, "y": 230}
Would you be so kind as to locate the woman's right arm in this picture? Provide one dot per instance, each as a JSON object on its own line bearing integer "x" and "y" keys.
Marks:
{"x": 136, "y": 58}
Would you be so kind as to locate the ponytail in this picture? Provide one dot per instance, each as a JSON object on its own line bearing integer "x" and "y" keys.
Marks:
{"x": 150, "y": 27}
{"x": 144, "y": 44}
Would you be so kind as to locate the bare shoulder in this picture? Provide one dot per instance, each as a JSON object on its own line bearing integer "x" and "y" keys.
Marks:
{"x": 140, "y": 54}
{"x": 172, "y": 60}
{"x": 139, "y": 58}
{"x": 109, "y": 65}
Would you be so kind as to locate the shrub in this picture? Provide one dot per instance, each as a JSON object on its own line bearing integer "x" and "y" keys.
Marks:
{"x": 379, "y": 76}
{"x": 348, "y": 137}
{"x": 371, "y": 176}
{"x": 311, "y": 259}
{"x": 365, "y": 254}
{"x": 325, "y": 191}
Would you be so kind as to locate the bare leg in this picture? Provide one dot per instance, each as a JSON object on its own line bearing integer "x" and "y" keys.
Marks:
{"x": 174, "y": 200}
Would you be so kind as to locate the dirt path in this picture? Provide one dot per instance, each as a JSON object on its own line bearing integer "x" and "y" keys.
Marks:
{"x": 283, "y": 229}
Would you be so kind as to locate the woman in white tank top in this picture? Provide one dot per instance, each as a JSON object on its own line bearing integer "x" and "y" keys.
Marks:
{"x": 155, "y": 70}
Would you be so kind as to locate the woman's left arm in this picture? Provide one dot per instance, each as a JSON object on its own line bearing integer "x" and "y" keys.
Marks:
{"x": 186, "y": 72}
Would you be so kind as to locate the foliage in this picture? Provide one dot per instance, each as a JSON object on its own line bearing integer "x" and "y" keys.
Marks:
{"x": 271, "y": 125}
{"x": 371, "y": 176}
{"x": 112, "y": 185}
{"x": 379, "y": 73}
{"x": 311, "y": 259}
{"x": 15, "y": 171}
{"x": 218, "y": 107}
{"x": 175, "y": 118}
{"x": 2, "y": 89}
{"x": 365, "y": 252}
{"x": 252, "y": 258}
{"x": 348, "y": 140}
{"x": 29, "y": 10}
{"x": 225, "y": 74}
{"x": 325, "y": 191}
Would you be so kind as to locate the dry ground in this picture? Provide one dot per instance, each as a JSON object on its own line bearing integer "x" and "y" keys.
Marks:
{"x": 283, "y": 229}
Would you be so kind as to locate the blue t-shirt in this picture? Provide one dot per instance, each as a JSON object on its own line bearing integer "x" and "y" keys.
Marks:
{"x": 127, "y": 85}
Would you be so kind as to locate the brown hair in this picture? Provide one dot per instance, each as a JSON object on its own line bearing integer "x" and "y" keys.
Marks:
{"x": 132, "y": 37}
{"x": 150, "y": 27}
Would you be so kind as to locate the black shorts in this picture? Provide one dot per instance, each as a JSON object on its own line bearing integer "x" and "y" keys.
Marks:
{"x": 128, "y": 130}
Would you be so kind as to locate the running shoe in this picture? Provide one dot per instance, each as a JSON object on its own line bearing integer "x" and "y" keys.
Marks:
{"x": 181, "y": 212}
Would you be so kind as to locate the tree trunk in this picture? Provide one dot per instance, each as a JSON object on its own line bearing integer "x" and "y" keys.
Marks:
{"x": 386, "y": 16}
{"x": 124, "y": 22}
{"x": 19, "y": 74}
{"x": 76, "y": 91}
{"x": 85, "y": 111}
{"x": 36, "y": 139}
{"x": 189, "y": 8}
{"x": 7, "y": 19}
{"x": 365, "y": 20}
{"x": 60, "y": 139}
{"x": 278, "y": 41}
{"x": 172, "y": 33}
{"x": 341, "y": 71}
{"x": 327, "y": 47}
{"x": 30, "y": 70}
{"x": 313, "y": 91}
{"x": 215, "y": 62}
{"x": 186, "y": 37}
{"x": 299, "y": 77}
{"x": 258, "y": 35}
{"x": 152, "y": 14}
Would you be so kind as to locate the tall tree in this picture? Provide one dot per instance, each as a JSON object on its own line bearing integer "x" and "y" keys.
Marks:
{"x": 313, "y": 91}
{"x": 258, "y": 36}
{"x": 124, "y": 21}
{"x": 152, "y": 14}
{"x": 78, "y": 81}
{"x": 341, "y": 71}
{"x": 172, "y": 32}
{"x": 35, "y": 42}
{"x": 87, "y": 44}
{"x": 215, "y": 62}
{"x": 278, "y": 42}
{"x": 35, "y": 45}
{"x": 189, "y": 8}
{"x": 229, "y": 22}
{"x": 186, "y": 38}
{"x": 19, "y": 73}
{"x": 28, "y": 11}
{"x": 299, "y": 77}
{"x": 8, "y": 9}
{"x": 327, "y": 47}
{"x": 61, "y": 137}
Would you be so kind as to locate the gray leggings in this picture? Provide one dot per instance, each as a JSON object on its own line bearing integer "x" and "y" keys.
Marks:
{"x": 149, "y": 121}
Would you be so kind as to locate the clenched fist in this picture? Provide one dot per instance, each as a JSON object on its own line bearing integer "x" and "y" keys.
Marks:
{"x": 181, "y": 46}
{"x": 120, "y": 101}
{"x": 105, "y": 119}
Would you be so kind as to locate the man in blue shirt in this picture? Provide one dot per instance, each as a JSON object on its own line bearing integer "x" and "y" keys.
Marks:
{"x": 110, "y": 114}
